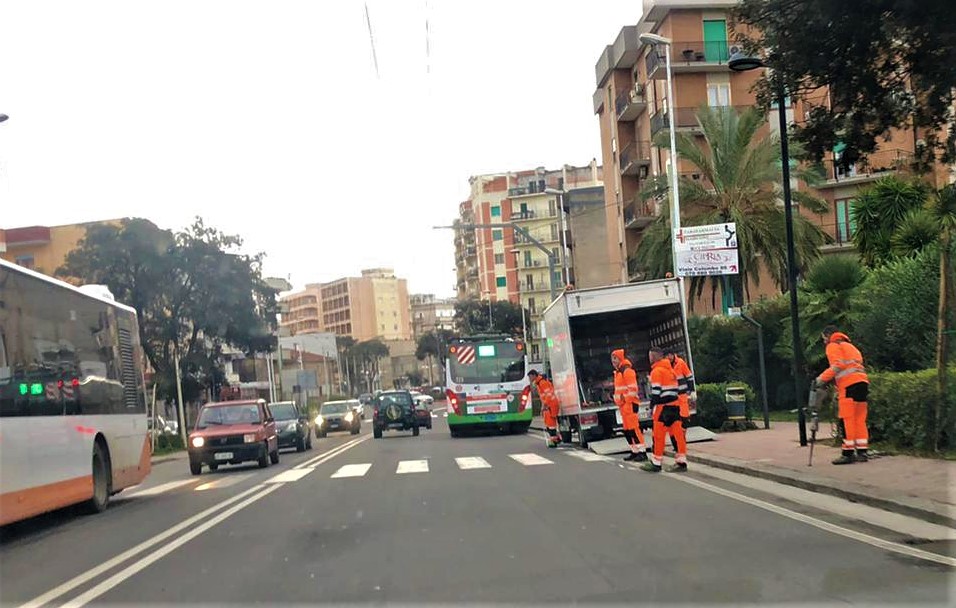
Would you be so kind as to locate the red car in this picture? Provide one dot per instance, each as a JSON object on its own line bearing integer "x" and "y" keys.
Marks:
{"x": 231, "y": 432}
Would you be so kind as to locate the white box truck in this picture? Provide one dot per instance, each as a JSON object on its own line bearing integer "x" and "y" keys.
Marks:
{"x": 583, "y": 327}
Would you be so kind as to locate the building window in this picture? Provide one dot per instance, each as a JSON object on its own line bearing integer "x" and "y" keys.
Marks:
{"x": 529, "y": 281}
{"x": 845, "y": 223}
{"x": 535, "y": 351}
{"x": 715, "y": 40}
{"x": 531, "y": 306}
{"x": 552, "y": 207}
{"x": 395, "y": 327}
{"x": 26, "y": 261}
{"x": 501, "y": 281}
{"x": 527, "y": 259}
{"x": 499, "y": 258}
{"x": 556, "y": 253}
{"x": 718, "y": 95}
{"x": 554, "y": 232}
{"x": 496, "y": 211}
{"x": 496, "y": 235}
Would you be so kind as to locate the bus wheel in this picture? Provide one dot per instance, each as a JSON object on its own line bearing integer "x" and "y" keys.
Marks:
{"x": 454, "y": 432}
{"x": 101, "y": 480}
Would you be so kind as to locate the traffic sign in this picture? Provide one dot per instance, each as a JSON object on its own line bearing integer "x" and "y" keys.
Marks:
{"x": 705, "y": 238}
{"x": 707, "y": 263}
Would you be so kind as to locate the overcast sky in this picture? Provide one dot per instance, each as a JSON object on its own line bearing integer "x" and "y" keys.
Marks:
{"x": 268, "y": 120}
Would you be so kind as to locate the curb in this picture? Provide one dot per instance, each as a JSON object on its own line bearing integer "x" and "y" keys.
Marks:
{"x": 169, "y": 458}
{"x": 928, "y": 510}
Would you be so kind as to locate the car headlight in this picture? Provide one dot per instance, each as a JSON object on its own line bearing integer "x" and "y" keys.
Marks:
{"x": 198, "y": 442}
{"x": 249, "y": 438}
{"x": 319, "y": 420}
{"x": 349, "y": 417}
{"x": 291, "y": 426}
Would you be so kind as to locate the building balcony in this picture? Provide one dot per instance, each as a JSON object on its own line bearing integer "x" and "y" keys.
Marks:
{"x": 533, "y": 264}
{"x": 523, "y": 216}
{"x": 639, "y": 214}
{"x": 686, "y": 120}
{"x": 689, "y": 56}
{"x": 635, "y": 158}
{"x": 874, "y": 166}
{"x": 630, "y": 104}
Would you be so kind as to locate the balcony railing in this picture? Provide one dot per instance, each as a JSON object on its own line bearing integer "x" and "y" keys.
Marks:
{"x": 873, "y": 165}
{"x": 528, "y": 214}
{"x": 630, "y": 103}
{"x": 635, "y": 155}
{"x": 689, "y": 56}
{"x": 639, "y": 214}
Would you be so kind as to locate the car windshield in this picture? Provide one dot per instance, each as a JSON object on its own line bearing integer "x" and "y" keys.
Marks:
{"x": 403, "y": 399}
{"x": 283, "y": 411}
{"x": 222, "y": 415}
{"x": 487, "y": 363}
{"x": 335, "y": 408}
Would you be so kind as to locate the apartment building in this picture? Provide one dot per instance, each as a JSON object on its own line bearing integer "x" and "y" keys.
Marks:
{"x": 466, "y": 255}
{"x": 375, "y": 305}
{"x": 44, "y": 248}
{"x": 630, "y": 101}
{"x": 430, "y": 313}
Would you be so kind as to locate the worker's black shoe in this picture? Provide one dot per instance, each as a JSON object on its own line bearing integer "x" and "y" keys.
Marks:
{"x": 650, "y": 467}
{"x": 641, "y": 457}
{"x": 862, "y": 456}
{"x": 631, "y": 457}
{"x": 677, "y": 467}
{"x": 845, "y": 458}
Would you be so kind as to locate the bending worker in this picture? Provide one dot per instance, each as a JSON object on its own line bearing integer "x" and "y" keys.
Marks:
{"x": 664, "y": 392}
{"x": 627, "y": 400}
{"x": 846, "y": 367}
{"x": 549, "y": 406}
{"x": 686, "y": 391}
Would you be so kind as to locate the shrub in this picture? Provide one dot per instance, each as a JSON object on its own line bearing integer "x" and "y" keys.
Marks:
{"x": 897, "y": 406}
{"x": 712, "y": 407}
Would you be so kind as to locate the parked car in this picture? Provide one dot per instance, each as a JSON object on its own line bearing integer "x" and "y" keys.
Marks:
{"x": 394, "y": 410}
{"x": 422, "y": 398}
{"x": 231, "y": 432}
{"x": 292, "y": 426}
{"x": 337, "y": 416}
{"x": 359, "y": 408}
{"x": 424, "y": 414}
{"x": 161, "y": 427}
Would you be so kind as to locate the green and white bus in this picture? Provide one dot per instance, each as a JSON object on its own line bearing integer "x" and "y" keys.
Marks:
{"x": 486, "y": 384}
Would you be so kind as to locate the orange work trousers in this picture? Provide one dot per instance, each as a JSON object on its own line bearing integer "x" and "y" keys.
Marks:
{"x": 853, "y": 414}
{"x": 676, "y": 430}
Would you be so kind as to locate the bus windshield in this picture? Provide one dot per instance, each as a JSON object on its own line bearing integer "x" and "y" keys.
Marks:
{"x": 487, "y": 363}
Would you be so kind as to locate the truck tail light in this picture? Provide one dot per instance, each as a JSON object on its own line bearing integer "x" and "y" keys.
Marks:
{"x": 454, "y": 400}
{"x": 525, "y": 398}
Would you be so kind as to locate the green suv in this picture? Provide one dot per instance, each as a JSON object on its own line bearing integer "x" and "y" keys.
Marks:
{"x": 394, "y": 410}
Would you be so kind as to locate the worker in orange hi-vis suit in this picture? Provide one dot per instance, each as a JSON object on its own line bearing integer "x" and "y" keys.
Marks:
{"x": 549, "y": 406}
{"x": 664, "y": 393}
{"x": 686, "y": 390}
{"x": 627, "y": 400}
{"x": 846, "y": 368}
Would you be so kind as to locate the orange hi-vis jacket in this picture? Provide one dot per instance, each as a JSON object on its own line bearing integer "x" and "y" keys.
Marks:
{"x": 846, "y": 363}
{"x": 685, "y": 385}
{"x": 546, "y": 392}
{"x": 626, "y": 395}
{"x": 664, "y": 385}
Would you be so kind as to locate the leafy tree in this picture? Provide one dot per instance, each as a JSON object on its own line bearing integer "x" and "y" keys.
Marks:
{"x": 880, "y": 210}
{"x": 828, "y": 297}
{"x": 368, "y": 355}
{"x": 192, "y": 292}
{"x": 741, "y": 173}
{"x": 471, "y": 317}
{"x": 887, "y": 64}
{"x": 431, "y": 345}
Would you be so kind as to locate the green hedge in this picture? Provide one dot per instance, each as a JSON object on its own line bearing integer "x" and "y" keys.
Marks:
{"x": 897, "y": 405}
{"x": 712, "y": 408}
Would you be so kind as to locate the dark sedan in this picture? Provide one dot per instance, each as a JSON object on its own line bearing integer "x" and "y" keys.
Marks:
{"x": 293, "y": 427}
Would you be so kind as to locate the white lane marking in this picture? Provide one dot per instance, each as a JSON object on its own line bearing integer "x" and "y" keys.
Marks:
{"x": 135, "y": 567}
{"x": 78, "y": 580}
{"x": 530, "y": 459}
{"x": 472, "y": 462}
{"x": 325, "y": 456}
{"x": 586, "y": 456}
{"x": 352, "y": 470}
{"x": 290, "y": 475}
{"x": 896, "y": 522}
{"x": 165, "y": 487}
{"x": 223, "y": 482}
{"x": 823, "y": 525}
{"x": 412, "y": 466}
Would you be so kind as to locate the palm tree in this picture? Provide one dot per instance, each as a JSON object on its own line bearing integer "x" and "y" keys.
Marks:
{"x": 884, "y": 207}
{"x": 740, "y": 182}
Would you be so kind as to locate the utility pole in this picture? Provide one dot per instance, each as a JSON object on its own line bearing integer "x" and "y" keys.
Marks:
{"x": 179, "y": 397}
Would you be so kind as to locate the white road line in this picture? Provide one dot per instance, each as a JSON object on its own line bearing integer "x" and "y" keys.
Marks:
{"x": 586, "y": 456}
{"x": 352, "y": 470}
{"x": 472, "y": 462}
{"x": 325, "y": 456}
{"x": 223, "y": 482}
{"x": 290, "y": 475}
{"x": 164, "y": 487}
{"x": 165, "y": 550}
{"x": 412, "y": 466}
{"x": 823, "y": 525}
{"x": 530, "y": 459}
{"x": 78, "y": 580}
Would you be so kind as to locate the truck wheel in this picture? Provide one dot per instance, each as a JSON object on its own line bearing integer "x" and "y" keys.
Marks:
{"x": 101, "y": 480}
{"x": 583, "y": 439}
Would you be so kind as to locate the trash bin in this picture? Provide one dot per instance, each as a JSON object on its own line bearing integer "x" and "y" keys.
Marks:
{"x": 736, "y": 399}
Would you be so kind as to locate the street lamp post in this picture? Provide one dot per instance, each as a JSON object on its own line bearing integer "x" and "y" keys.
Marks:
{"x": 742, "y": 63}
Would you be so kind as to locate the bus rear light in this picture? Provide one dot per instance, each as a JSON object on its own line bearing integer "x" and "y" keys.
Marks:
{"x": 454, "y": 400}
{"x": 75, "y": 382}
{"x": 525, "y": 398}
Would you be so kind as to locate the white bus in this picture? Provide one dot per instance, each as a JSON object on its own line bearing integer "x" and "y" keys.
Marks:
{"x": 73, "y": 424}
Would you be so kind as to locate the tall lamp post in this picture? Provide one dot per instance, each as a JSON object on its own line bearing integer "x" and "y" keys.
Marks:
{"x": 741, "y": 63}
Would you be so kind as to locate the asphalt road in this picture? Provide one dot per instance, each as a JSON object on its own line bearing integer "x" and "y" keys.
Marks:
{"x": 477, "y": 519}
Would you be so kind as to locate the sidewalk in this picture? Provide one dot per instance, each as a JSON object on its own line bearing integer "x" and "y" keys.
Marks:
{"x": 171, "y": 457}
{"x": 918, "y": 487}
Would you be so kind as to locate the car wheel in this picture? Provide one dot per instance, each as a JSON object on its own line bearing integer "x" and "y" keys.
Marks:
{"x": 274, "y": 456}
{"x": 377, "y": 433}
{"x": 264, "y": 457}
{"x": 415, "y": 431}
{"x": 300, "y": 445}
{"x": 323, "y": 434}
{"x": 308, "y": 443}
{"x": 195, "y": 468}
{"x": 214, "y": 467}
{"x": 101, "y": 480}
